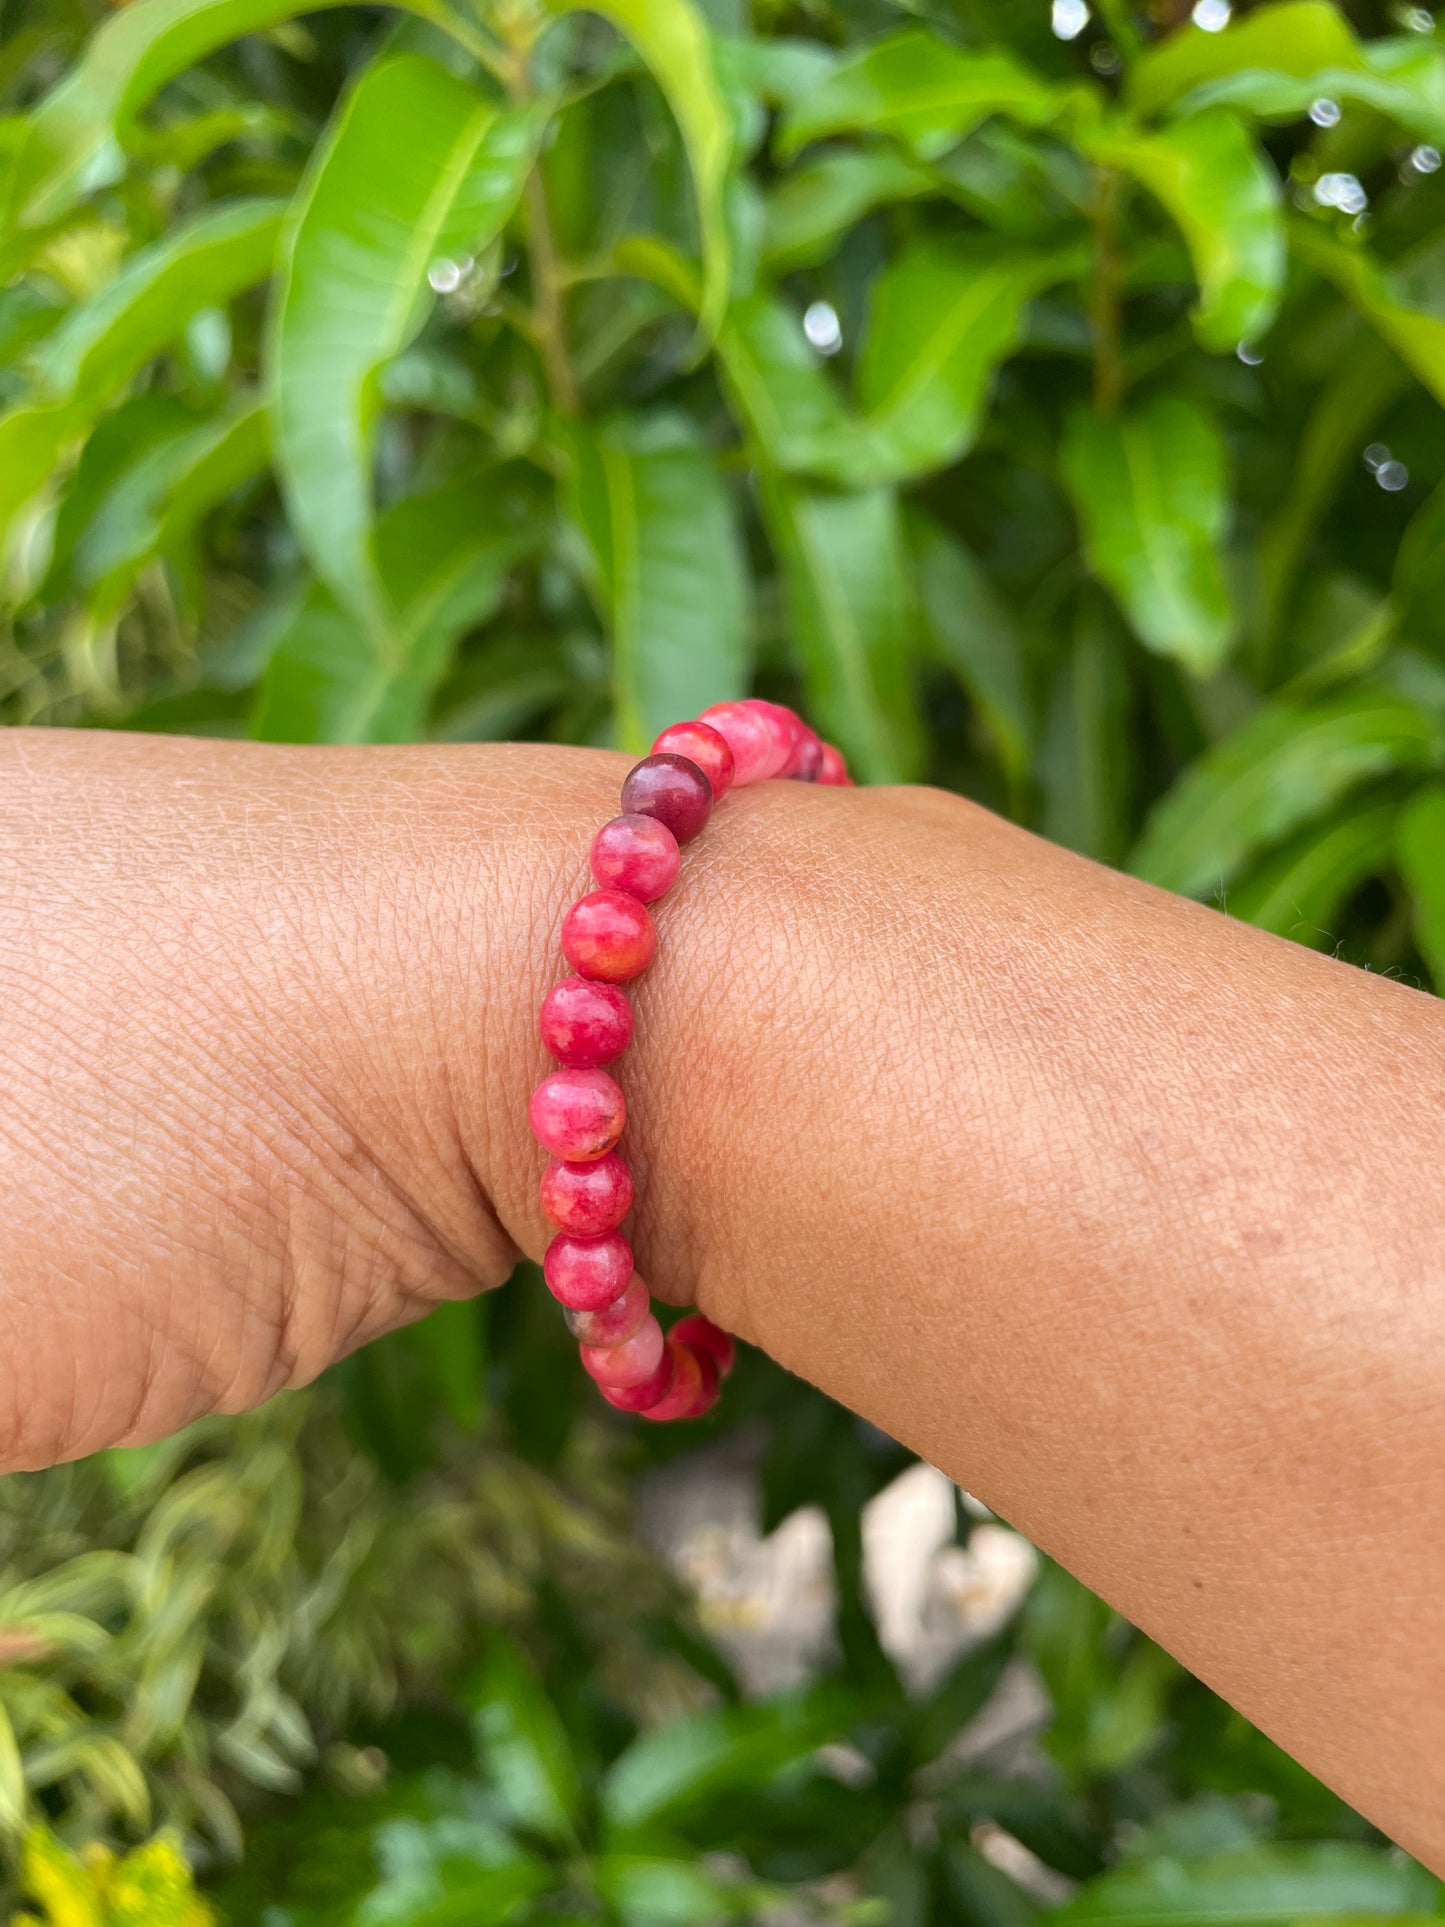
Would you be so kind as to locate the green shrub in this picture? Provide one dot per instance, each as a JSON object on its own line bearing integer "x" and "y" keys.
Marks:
{"x": 1056, "y": 420}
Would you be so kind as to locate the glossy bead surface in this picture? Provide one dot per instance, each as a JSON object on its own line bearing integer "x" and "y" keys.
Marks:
{"x": 833, "y": 770}
{"x": 786, "y": 733}
{"x": 710, "y": 1387}
{"x": 616, "y": 1322}
{"x": 700, "y": 743}
{"x": 587, "y": 1273}
{"x": 686, "y": 1386}
{"x": 671, "y": 788}
{"x": 585, "y": 1025}
{"x": 637, "y": 854}
{"x": 587, "y": 1199}
{"x": 810, "y": 759}
{"x": 577, "y": 1115}
{"x": 706, "y": 1339}
{"x": 608, "y": 936}
{"x": 640, "y": 1398}
{"x": 748, "y": 736}
{"x": 632, "y": 1362}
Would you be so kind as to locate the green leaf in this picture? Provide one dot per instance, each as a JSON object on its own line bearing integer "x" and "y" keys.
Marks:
{"x": 1420, "y": 852}
{"x": 1298, "y": 891}
{"x": 1293, "y": 37}
{"x": 920, "y": 89}
{"x": 794, "y": 413}
{"x": 442, "y": 562}
{"x": 1224, "y": 197}
{"x": 669, "y": 1770}
{"x": 1087, "y": 750}
{"x": 100, "y": 345}
{"x": 73, "y": 141}
{"x": 417, "y": 165}
{"x": 972, "y": 632}
{"x": 523, "y": 1746}
{"x": 1418, "y": 590}
{"x": 810, "y": 209}
{"x": 1150, "y": 488}
{"x": 648, "y": 1891}
{"x": 1258, "y": 1887}
{"x": 943, "y": 315}
{"x": 1417, "y": 338}
{"x": 668, "y": 570}
{"x": 1285, "y": 767}
{"x": 672, "y": 37}
{"x": 848, "y": 600}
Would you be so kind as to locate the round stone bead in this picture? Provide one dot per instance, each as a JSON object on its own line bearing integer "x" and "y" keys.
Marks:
{"x": 711, "y": 1385}
{"x": 608, "y": 935}
{"x": 638, "y": 1398}
{"x": 585, "y": 1024}
{"x": 810, "y": 760}
{"x": 708, "y": 1340}
{"x": 587, "y": 1199}
{"x": 637, "y": 854}
{"x": 587, "y": 1273}
{"x": 671, "y": 788}
{"x": 632, "y": 1362}
{"x": 786, "y": 732}
{"x": 577, "y": 1115}
{"x": 747, "y": 734}
{"x": 833, "y": 770}
{"x": 700, "y": 744}
{"x": 615, "y": 1323}
{"x": 686, "y": 1386}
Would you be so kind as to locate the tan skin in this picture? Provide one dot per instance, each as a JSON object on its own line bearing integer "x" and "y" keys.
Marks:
{"x": 1129, "y": 1217}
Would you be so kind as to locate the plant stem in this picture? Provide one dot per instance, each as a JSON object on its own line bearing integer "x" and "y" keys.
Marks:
{"x": 546, "y": 326}
{"x": 1104, "y": 318}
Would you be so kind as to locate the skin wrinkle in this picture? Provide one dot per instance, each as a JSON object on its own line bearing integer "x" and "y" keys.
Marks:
{"x": 1124, "y": 1214}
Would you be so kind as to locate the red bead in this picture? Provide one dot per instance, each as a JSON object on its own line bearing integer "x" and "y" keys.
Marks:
{"x": 686, "y": 1386}
{"x": 577, "y": 1115}
{"x": 701, "y": 744}
{"x": 639, "y": 1398}
{"x": 671, "y": 788}
{"x": 587, "y": 1273}
{"x": 585, "y": 1024}
{"x": 785, "y": 731}
{"x": 637, "y": 854}
{"x": 711, "y": 1385}
{"x": 810, "y": 760}
{"x": 615, "y": 1322}
{"x": 608, "y": 935}
{"x": 747, "y": 734}
{"x": 706, "y": 1339}
{"x": 632, "y": 1362}
{"x": 587, "y": 1198}
{"x": 833, "y": 770}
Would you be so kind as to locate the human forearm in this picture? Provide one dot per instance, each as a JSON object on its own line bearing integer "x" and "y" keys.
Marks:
{"x": 1124, "y": 1214}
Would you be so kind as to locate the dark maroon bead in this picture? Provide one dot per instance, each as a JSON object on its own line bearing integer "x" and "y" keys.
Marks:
{"x": 671, "y": 788}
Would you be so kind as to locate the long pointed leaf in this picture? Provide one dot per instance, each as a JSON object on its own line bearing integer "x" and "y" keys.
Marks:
{"x": 1298, "y": 891}
{"x": 668, "y": 567}
{"x": 1420, "y": 849}
{"x": 1417, "y": 338}
{"x": 1291, "y": 38}
{"x": 417, "y": 165}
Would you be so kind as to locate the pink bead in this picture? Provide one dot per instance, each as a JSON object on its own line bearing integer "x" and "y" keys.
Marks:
{"x": 785, "y": 731}
{"x": 686, "y": 1387}
{"x": 639, "y": 1398}
{"x": 708, "y": 1340}
{"x": 700, "y": 744}
{"x": 748, "y": 735}
{"x": 632, "y": 1362}
{"x": 833, "y": 770}
{"x": 711, "y": 1386}
{"x": 615, "y": 1323}
{"x": 577, "y": 1115}
{"x": 671, "y": 788}
{"x": 587, "y": 1198}
{"x": 587, "y": 1273}
{"x": 810, "y": 760}
{"x": 637, "y": 854}
{"x": 608, "y": 935}
{"x": 585, "y": 1024}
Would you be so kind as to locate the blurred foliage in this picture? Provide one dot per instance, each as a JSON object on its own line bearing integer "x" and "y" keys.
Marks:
{"x": 1056, "y": 415}
{"x": 149, "y": 1887}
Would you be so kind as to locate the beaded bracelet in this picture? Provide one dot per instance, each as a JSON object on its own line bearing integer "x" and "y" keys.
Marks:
{"x": 577, "y": 1113}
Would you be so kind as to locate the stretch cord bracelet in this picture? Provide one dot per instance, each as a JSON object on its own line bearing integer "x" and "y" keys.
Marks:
{"x": 577, "y": 1112}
